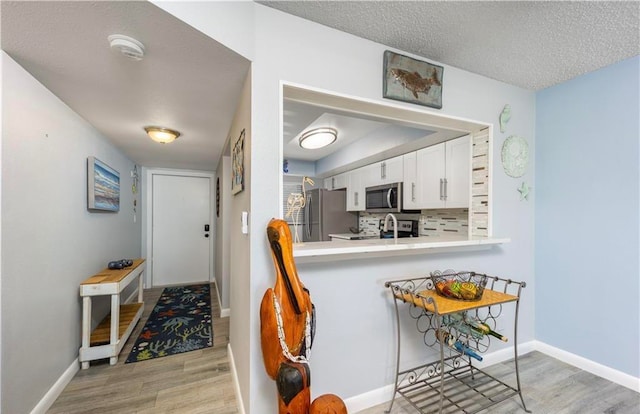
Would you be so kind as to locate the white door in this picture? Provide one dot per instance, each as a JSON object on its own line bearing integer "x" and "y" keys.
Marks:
{"x": 181, "y": 246}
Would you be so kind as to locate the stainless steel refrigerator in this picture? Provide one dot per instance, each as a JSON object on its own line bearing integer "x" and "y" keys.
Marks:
{"x": 325, "y": 212}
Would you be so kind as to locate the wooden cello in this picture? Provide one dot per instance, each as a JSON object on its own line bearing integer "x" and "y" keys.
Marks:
{"x": 287, "y": 328}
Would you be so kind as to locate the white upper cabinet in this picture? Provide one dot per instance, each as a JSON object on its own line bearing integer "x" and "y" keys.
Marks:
{"x": 458, "y": 173}
{"x": 410, "y": 182}
{"x": 384, "y": 172}
{"x": 443, "y": 175}
{"x": 434, "y": 177}
{"x": 430, "y": 167}
{"x": 355, "y": 190}
{"x": 336, "y": 182}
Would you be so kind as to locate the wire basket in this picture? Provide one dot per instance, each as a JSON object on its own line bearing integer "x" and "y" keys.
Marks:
{"x": 466, "y": 286}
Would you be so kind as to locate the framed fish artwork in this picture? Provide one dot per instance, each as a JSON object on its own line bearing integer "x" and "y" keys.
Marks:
{"x": 411, "y": 80}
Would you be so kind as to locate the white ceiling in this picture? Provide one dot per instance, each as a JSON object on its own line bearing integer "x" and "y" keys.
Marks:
{"x": 192, "y": 83}
{"x": 187, "y": 81}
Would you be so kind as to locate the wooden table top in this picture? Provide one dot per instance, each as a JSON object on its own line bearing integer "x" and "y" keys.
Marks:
{"x": 112, "y": 275}
{"x": 445, "y": 305}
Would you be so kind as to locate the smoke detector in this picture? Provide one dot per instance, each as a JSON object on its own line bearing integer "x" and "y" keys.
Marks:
{"x": 128, "y": 46}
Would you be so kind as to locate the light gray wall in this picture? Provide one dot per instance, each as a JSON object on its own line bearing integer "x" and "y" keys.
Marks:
{"x": 240, "y": 248}
{"x": 1, "y": 135}
{"x": 587, "y": 216}
{"x": 50, "y": 242}
{"x": 354, "y": 349}
{"x": 223, "y": 220}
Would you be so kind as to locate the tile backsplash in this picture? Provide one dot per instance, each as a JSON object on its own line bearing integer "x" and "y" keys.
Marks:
{"x": 432, "y": 222}
{"x": 480, "y": 184}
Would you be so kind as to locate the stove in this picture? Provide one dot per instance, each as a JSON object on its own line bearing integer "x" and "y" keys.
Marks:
{"x": 406, "y": 228}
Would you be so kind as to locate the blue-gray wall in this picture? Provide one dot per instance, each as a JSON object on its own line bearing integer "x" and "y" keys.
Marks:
{"x": 50, "y": 241}
{"x": 587, "y": 216}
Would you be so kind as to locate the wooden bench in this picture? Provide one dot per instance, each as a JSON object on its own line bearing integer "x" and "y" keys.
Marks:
{"x": 107, "y": 340}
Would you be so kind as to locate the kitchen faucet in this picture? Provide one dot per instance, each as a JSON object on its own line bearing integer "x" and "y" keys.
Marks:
{"x": 395, "y": 226}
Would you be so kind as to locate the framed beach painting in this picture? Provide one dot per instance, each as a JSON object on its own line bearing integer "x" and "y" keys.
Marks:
{"x": 411, "y": 80}
{"x": 237, "y": 165}
{"x": 103, "y": 186}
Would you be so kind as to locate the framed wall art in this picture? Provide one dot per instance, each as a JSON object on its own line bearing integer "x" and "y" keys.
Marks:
{"x": 103, "y": 186}
{"x": 411, "y": 80}
{"x": 237, "y": 165}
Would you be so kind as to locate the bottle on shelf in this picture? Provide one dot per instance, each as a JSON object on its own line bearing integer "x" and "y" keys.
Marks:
{"x": 488, "y": 331}
{"x": 476, "y": 325}
{"x": 462, "y": 327}
{"x": 448, "y": 339}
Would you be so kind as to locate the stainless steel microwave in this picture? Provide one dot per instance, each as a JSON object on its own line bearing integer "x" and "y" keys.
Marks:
{"x": 384, "y": 198}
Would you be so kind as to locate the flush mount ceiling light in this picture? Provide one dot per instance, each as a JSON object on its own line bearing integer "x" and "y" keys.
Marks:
{"x": 126, "y": 45}
{"x": 318, "y": 138}
{"x": 162, "y": 135}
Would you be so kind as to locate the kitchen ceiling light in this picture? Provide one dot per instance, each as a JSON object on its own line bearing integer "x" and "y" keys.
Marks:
{"x": 126, "y": 45}
{"x": 318, "y": 138}
{"x": 162, "y": 135}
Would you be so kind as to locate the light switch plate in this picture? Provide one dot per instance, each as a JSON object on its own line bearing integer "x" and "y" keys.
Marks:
{"x": 245, "y": 222}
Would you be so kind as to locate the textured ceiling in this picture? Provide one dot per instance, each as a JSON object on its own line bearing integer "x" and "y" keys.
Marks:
{"x": 533, "y": 45}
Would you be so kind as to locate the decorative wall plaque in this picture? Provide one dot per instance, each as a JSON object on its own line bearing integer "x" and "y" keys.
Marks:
{"x": 515, "y": 156}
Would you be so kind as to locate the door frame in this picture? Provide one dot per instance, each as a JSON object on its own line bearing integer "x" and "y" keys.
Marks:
{"x": 147, "y": 211}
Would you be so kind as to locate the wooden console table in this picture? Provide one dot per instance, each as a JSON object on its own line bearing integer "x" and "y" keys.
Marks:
{"x": 110, "y": 335}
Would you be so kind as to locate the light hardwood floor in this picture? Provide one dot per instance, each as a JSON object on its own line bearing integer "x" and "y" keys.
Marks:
{"x": 549, "y": 387}
{"x": 200, "y": 382}
{"x": 193, "y": 382}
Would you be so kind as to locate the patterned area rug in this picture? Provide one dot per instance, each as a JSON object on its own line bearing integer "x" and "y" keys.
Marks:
{"x": 180, "y": 322}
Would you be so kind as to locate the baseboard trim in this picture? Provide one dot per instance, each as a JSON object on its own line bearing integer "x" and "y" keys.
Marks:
{"x": 224, "y": 312}
{"x": 384, "y": 394}
{"x": 611, "y": 374}
{"x": 369, "y": 399}
{"x": 54, "y": 392}
{"x": 234, "y": 375}
{"x": 504, "y": 354}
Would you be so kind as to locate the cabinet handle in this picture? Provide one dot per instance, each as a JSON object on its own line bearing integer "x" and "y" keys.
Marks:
{"x": 441, "y": 188}
{"x": 355, "y": 198}
{"x": 383, "y": 170}
{"x": 446, "y": 189}
{"x": 413, "y": 191}
{"x": 333, "y": 183}
{"x": 308, "y": 217}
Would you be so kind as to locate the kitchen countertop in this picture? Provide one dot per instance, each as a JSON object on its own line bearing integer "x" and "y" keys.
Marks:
{"x": 355, "y": 249}
{"x": 352, "y": 236}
